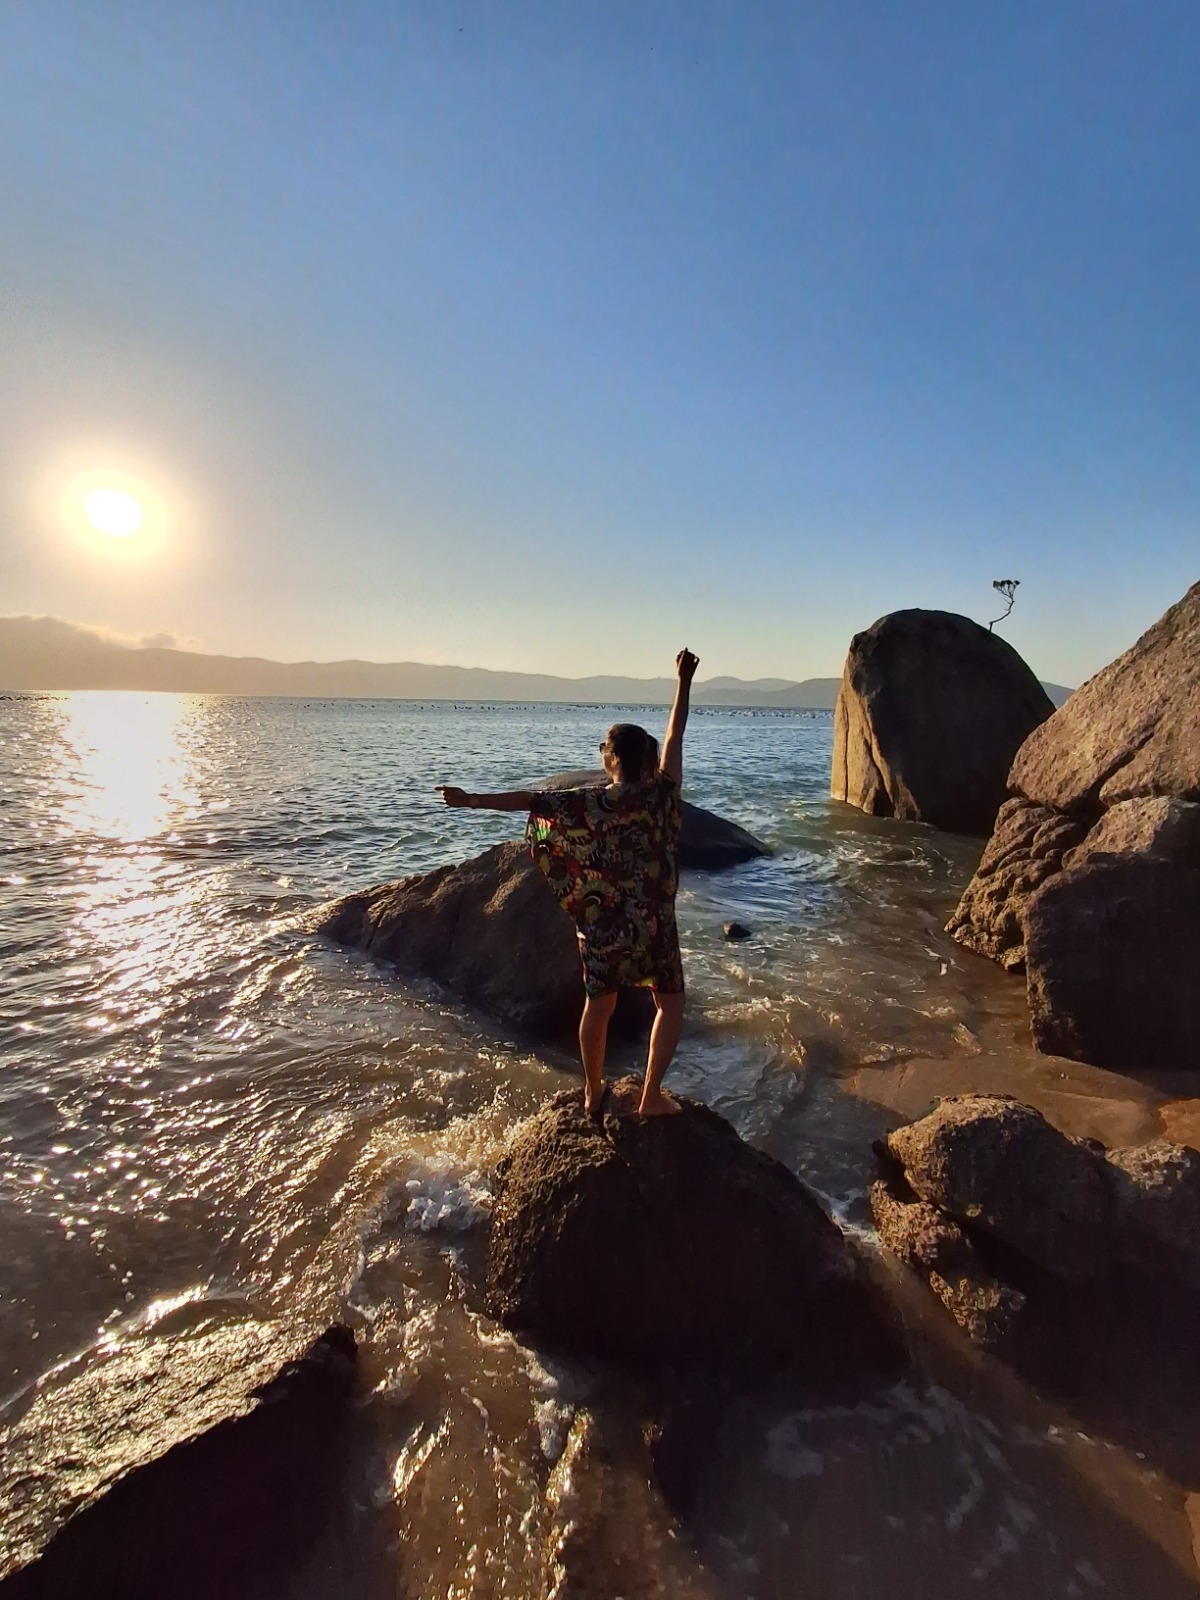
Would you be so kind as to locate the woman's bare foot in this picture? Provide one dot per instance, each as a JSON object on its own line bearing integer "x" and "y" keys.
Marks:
{"x": 659, "y": 1104}
{"x": 592, "y": 1103}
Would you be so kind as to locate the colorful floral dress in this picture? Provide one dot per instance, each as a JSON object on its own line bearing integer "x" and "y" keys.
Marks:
{"x": 609, "y": 855}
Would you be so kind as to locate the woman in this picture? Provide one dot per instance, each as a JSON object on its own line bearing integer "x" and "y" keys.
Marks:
{"x": 609, "y": 855}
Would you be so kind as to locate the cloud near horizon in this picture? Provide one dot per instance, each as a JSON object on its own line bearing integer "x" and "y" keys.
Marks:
{"x": 128, "y": 641}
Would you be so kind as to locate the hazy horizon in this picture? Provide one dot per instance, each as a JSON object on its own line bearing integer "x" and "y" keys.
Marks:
{"x": 553, "y": 340}
{"x": 47, "y": 654}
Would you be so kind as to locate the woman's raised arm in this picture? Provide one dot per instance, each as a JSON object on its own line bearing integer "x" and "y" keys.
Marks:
{"x": 672, "y": 755}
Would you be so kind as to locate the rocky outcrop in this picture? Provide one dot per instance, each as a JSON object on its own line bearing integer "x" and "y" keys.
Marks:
{"x": 1079, "y": 1264}
{"x": 671, "y": 1243}
{"x": 184, "y": 1467}
{"x": 1132, "y": 730}
{"x": 931, "y": 711}
{"x": 707, "y": 842}
{"x": 490, "y": 931}
{"x": 1027, "y": 847}
{"x": 1000, "y": 1166}
{"x": 1111, "y": 781}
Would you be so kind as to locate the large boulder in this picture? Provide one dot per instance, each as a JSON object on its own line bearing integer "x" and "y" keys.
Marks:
{"x": 489, "y": 930}
{"x": 997, "y": 1164}
{"x": 707, "y": 842}
{"x": 672, "y": 1243}
{"x": 1113, "y": 777}
{"x": 931, "y": 711}
{"x": 1112, "y": 953}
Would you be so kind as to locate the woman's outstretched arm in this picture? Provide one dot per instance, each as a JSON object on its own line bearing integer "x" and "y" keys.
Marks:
{"x": 511, "y": 800}
{"x": 672, "y": 755}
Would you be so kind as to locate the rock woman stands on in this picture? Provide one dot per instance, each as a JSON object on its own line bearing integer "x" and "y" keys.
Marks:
{"x": 609, "y": 855}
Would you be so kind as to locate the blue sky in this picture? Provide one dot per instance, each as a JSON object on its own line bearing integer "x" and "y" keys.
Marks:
{"x": 553, "y": 336}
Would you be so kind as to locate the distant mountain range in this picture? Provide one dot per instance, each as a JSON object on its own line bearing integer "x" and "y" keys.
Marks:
{"x": 44, "y": 653}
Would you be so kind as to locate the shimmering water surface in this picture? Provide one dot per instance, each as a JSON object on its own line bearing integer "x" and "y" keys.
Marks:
{"x": 205, "y": 1110}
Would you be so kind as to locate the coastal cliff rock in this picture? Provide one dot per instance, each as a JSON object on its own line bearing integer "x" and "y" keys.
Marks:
{"x": 490, "y": 931}
{"x": 1080, "y": 1265}
{"x": 1112, "y": 780}
{"x": 931, "y": 711}
{"x": 707, "y": 842}
{"x": 673, "y": 1243}
{"x": 190, "y": 1466}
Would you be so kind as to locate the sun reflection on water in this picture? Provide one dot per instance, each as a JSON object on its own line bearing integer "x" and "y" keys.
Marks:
{"x": 125, "y": 767}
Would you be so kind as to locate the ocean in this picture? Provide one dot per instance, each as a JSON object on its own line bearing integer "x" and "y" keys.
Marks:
{"x": 208, "y": 1113}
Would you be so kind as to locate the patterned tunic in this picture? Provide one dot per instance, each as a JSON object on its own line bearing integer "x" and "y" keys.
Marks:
{"x": 609, "y": 855}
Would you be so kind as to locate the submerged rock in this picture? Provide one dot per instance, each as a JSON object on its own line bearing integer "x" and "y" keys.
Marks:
{"x": 673, "y": 1243}
{"x": 707, "y": 842}
{"x": 180, "y": 1469}
{"x": 736, "y": 931}
{"x": 1111, "y": 781}
{"x": 490, "y": 930}
{"x": 931, "y": 711}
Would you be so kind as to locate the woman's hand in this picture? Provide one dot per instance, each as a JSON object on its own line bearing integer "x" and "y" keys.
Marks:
{"x": 452, "y": 796}
{"x": 685, "y": 665}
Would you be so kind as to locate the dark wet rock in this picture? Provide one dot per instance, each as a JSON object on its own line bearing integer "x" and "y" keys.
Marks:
{"x": 673, "y": 1243}
{"x": 1157, "y": 1192}
{"x": 180, "y": 1469}
{"x": 931, "y": 711}
{"x": 707, "y": 842}
{"x": 1112, "y": 779}
{"x": 1080, "y": 1266}
{"x": 611, "y": 1531}
{"x": 737, "y": 930}
{"x": 489, "y": 930}
{"x": 1112, "y": 953}
{"x": 933, "y": 1244}
{"x": 998, "y": 1165}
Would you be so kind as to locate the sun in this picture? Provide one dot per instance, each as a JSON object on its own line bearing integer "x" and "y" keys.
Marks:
{"x": 114, "y": 512}
{"x": 113, "y": 515}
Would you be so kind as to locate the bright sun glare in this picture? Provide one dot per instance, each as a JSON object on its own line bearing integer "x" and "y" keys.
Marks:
{"x": 114, "y": 512}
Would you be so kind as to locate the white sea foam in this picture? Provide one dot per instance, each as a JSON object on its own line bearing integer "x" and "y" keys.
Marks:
{"x": 443, "y": 1195}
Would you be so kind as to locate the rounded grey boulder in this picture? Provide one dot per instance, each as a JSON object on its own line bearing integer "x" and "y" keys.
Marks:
{"x": 931, "y": 711}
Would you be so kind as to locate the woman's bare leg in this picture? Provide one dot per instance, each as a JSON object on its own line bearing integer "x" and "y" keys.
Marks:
{"x": 593, "y": 1036}
{"x": 664, "y": 1036}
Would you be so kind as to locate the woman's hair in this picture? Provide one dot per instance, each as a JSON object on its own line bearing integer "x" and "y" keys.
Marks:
{"x": 634, "y": 752}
